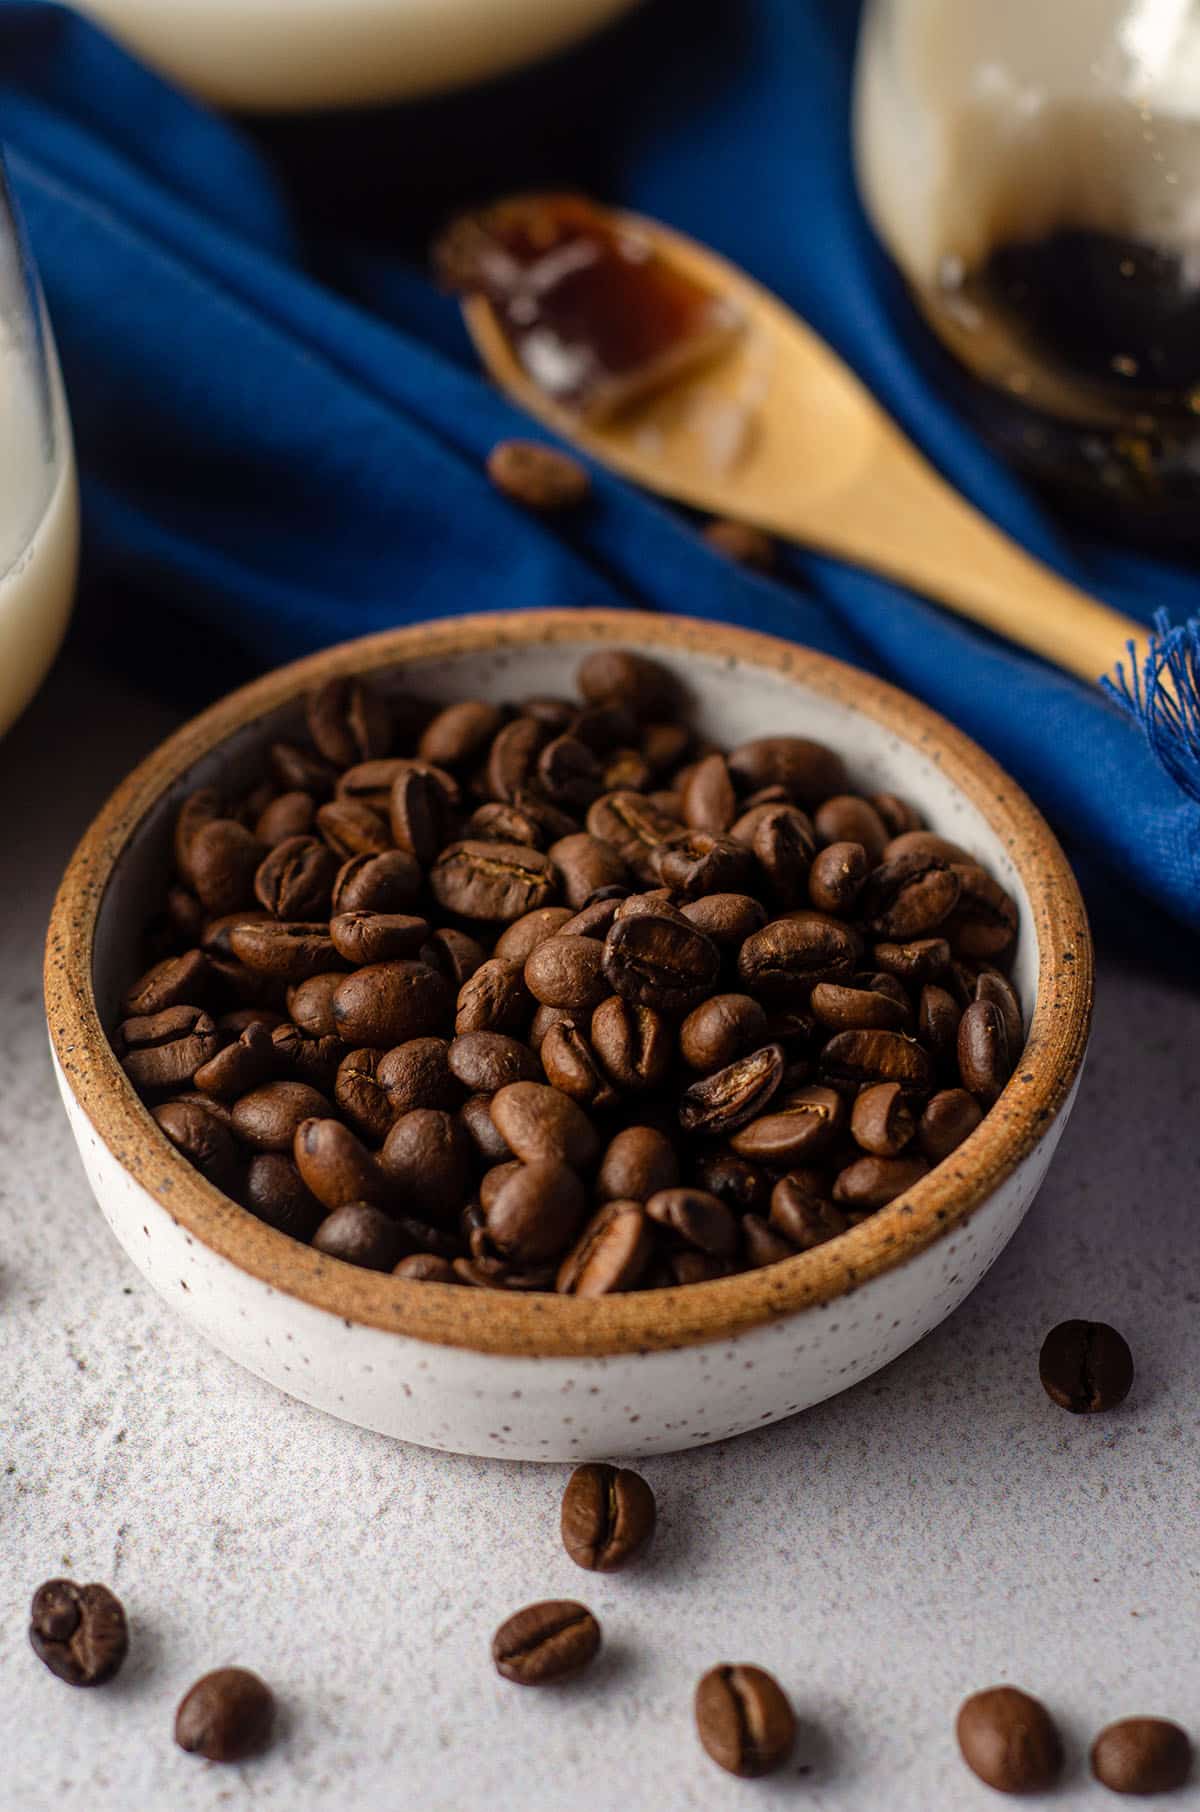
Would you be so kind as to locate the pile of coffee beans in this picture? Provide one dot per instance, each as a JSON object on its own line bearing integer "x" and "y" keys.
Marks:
{"x": 558, "y": 996}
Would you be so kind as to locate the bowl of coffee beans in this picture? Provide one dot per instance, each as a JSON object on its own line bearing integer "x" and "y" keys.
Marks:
{"x": 559, "y": 1034}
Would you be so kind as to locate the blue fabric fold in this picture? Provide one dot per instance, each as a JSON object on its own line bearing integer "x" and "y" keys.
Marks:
{"x": 281, "y": 427}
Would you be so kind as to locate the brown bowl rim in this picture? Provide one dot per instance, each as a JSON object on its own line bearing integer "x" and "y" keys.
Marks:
{"x": 543, "y": 1324}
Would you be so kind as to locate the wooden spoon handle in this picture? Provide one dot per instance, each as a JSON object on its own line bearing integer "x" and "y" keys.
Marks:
{"x": 903, "y": 520}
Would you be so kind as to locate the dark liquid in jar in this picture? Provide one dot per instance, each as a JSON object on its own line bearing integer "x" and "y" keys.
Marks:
{"x": 1089, "y": 347}
{"x": 593, "y": 314}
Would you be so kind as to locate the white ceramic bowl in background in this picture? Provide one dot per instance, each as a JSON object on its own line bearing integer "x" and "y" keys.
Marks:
{"x": 293, "y": 55}
{"x": 540, "y": 1376}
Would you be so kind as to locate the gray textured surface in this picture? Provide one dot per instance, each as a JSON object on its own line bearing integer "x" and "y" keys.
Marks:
{"x": 940, "y": 1528}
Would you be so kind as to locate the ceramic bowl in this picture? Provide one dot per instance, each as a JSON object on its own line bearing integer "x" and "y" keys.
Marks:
{"x": 543, "y": 1376}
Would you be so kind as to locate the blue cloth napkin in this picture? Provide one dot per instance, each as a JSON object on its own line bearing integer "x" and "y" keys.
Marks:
{"x": 281, "y": 426}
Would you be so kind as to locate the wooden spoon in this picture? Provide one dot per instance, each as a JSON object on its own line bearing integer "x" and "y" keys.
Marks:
{"x": 778, "y": 432}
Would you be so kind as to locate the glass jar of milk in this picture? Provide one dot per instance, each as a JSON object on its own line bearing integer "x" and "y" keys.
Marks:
{"x": 39, "y": 511}
{"x": 1033, "y": 166}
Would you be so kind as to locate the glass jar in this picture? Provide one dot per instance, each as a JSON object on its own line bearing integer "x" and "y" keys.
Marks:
{"x": 1033, "y": 166}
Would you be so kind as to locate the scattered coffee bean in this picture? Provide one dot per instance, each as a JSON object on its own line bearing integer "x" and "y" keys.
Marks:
{"x": 1142, "y": 1755}
{"x": 744, "y": 1720}
{"x": 546, "y": 1643}
{"x": 226, "y": 1716}
{"x": 78, "y": 1631}
{"x": 742, "y": 543}
{"x": 1009, "y": 1740}
{"x": 540, "y": 477}
{"x": 1086, "y": 1367}
{"x": 608, "y": 1517}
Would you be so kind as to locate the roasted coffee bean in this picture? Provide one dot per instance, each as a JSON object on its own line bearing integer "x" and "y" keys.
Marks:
{"x": 494, "y": 881}
{"x": 567, "y": 972}
{"x": 983, "y": 1058}
{"x": 803, "y": 1215}
{"x": 537, "y": 476}
{"x": 512, "y": 758}
{"x": 796, "y": 1128}
{"x": 501, "y": 822}
{"x": 687, "y": 1266}
{"x": 300, "y": 770}
{"x": 744, "y": 1720}
{"x": 721, "y": 1029}
{"x": 617, "y": 675}
{"x": 948, "y": 1118}
{"x": 546, "y": 1018}
{"x": 360, "y": 1235}
{"x": 184, "y": 915}
{"x": 387, "y": 1003}
{"x": 426, "y": 1267}
{"x": 349, "y": 722}
{"x": 571, "y": 1065}
{"x": 742, "y": 1186}
{"x": 239, "y": 1067}
{"x": 492, "y": 1182}
{"x": 460, "y": 733}
{"x": 926, "y": 843}
{"x": 662, "y": 962}
{"x": 569, "y": 773}
{"x": 201, "y": 1138}
{"x": 808, "y": 770}
{"x": 907, "y": 896}
{"x": 337, "y": 1167}
{"x": 177, "y": 981}
{"x": 897, "y": 814}
{"x": 762, "y": 1245}
{"x": 276, "y": 1193}
{"x": 781, "y": 840}
{"x": 742, "y": 543}
{"x": 846, "y": 818}
{"x": 611, "y": 1254}
{"x": 938, "y": 1017}
{"x": 546, "y": 1643}
{"x": 871, "y": 1183}
{"x": 1009, "y": 1740}
{"x": 608, "y": 1516}
{"x": 836, "y": 877}
{"x": 727, "y": 918}
{"x": 453, "y": 954}
{"x": 696, "y": 863}
{"x": 638, "y": 1162}
{"x": 377, "y": 937}
{"x": 656, "y": 901}
{"x": 310, "y": 1003}
{"x": 782, "y": 963}
{"x": 417, "y": 1073}
{"x": 881, "y": 1120}
{"x": 696, "y": 1218}
{"x": 486, "y": 1061}
{"x": 198, "y": 809}
{"x": 164, "y": 1050}
{"x": 226, "y": 1716}
{"x": 289, "y": 951}
{"x": 427, "y": 1160}
{"x": 361, "y": 1096}
{"x": 922, "y": 960}
{"x": 995, "y": 987}
{"x": 269, "y": 1117}
{"x": 846, "y": 1007}
{"x": 352, "y": 829}
{"x": 288, "y": 815}
{"x": 541, "y": 1125}
{"x": 665, "y": 746}
{"x": 1142, "y": 1755}
{"x": 295, "y": 880}
{"x": 719, "y": 1103}
{"x": 217, "y": 932}
{"x": 78, "y": 1631}
{"x": 385, "y": 883}
{"x": 984, "y": 923}
{"x": 584, "y": 864}
{"x": 633, "y": 1044}
{"x": 862, "y": 1057}
{"x": 632, "y": 826}
{"x": 495, "y": 999}
{"x": 518, "y": 941}
{"x": 475, "y": 1116}
{"x": 303, "y": 1058}
{"x": 500, "y": 1274}
{"x": 1086, "y": 1367}
{"x": 223, "y": 858}
{"x": 708, "y": 801}
{"x": 536, "y": 1213}
{"x": 417, "y": 814}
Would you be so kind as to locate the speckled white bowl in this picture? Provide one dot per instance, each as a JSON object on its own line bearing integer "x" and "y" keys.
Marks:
{"x": 541, "y": 1376}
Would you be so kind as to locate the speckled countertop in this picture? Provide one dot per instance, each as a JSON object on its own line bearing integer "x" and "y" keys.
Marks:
{"x": 940, "y": 1528}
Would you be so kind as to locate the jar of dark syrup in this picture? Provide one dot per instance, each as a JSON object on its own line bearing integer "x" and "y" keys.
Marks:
{"x": 1033, "y": 166}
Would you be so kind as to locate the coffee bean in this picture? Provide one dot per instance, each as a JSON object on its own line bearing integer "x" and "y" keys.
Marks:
{"x": 416, "y": 812}
{"x": 475, "y": 1117}
{"x": 762, "y": 1245}
{"x": 540, "y": 1125}
{"x": 836, "y": 877}
{"x": 310, "y": 1003}
{"x": 871, "y": 1183}
{"x": 349, "y": 721}
{"x": 808, "y": 771}
{"x": 295, "y": 879}
{"x": 426, "y": 1267}
{"x": 718, "y": 1104}
{"x": 202, "y": 1140}
{"x": 938, "y": 1018}
{"x": 486, "y": 1061}
{"x": 177, "y": 981}
{"x": 744, "y": 1720}
{"x": 618, "y": 675}
{"x": 742, "y": 1186}
{"x": 628, "y": 823}
{"x": 164, "y": 1050}
{"x": 427, "y": 1161}
{"x": 223, "y": 858}
{"x": 1086, "y": 1367}
{"x": 984, "y": 923}
{"x": 846, "y": 818}
{"x": 388, "y": 882}
{"x": 921, "y": 960}
{"x": 783, "y": 962}
{"x": 662, "y": 962}
{"x": 495, "y": 999}
{"x": 388, "y": 1003}
{"x": 536, "y": 1213}
{"x": 949, "y": 1118}
{"x": 238, "y": 1067}
{"x": 78, "y": 1631}
{"x": 1009, "y": 1740}
{"x": 302, "y": 1058}
{"x": 226, "y": 1716}
{"x": 300, "y": 770}
{"x": 377, "y": 937}
{"x": 459, "y": 733}
{"x": 727, "y": 918}
{"x": 496, "y": 881}
{"x": 994, "y": 987}
{"x": 803, "y": 1215}
{"x": 926, "y": 843}
{"x": 289, "y": 951}
{"x": 1142, "y": 1755}
{"x": 881, "y": 1121}
{"x": 268, "y": 1118}
{"x": 798, "y": 1127}
{"x": 584, "y": 864}
{"x": 697, "y": 1218}
{"x": 276, "y": 1193}
{"x": 696, "y": 863}
{"x": 863, "y": 1057}
{"x": 539, "y": 477}
{"x": 288, "y": 815}
{"x": 908, "y": 895}
{"x": 708, "y": 801}
{"x": 569, "y": 773}
{"x": 567, "y": 972}
{"x": 512, "y": 759}
{"x": 847, "y": 1007}
{"x": 337, "y": 1168}
{"x": 571, "y": 1065}
{"x": 983, "y": 1058}
{"x": 608, "y": 1517}
{"x": 611, "y": 1254}
{"x": 781, "y": 839}
{"x": 741, "y": 542}
{"x": 352, "y": 829}
{"x": 633, "y": 1044}
{"x": 546, "y": 1643}
{"x": 360, "y": 1235}
{"x": 637, "y": 1163}
{"x": 518, "y": 941}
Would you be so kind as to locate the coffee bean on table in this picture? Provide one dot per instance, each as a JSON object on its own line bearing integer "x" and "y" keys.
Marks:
{"x": 226, "y": 1716}
{"x": 78, "y": 1631}
{"x": 541, "y": 478}
{"x": 1085, "y": 1367}
{"x": 546, "y": 1643}
{"x": 1142, "y": 1755}
{"x": 1009, "y": 1740}
{"x": 744, "y": 1720}
{"x": 608, "y": 1517}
